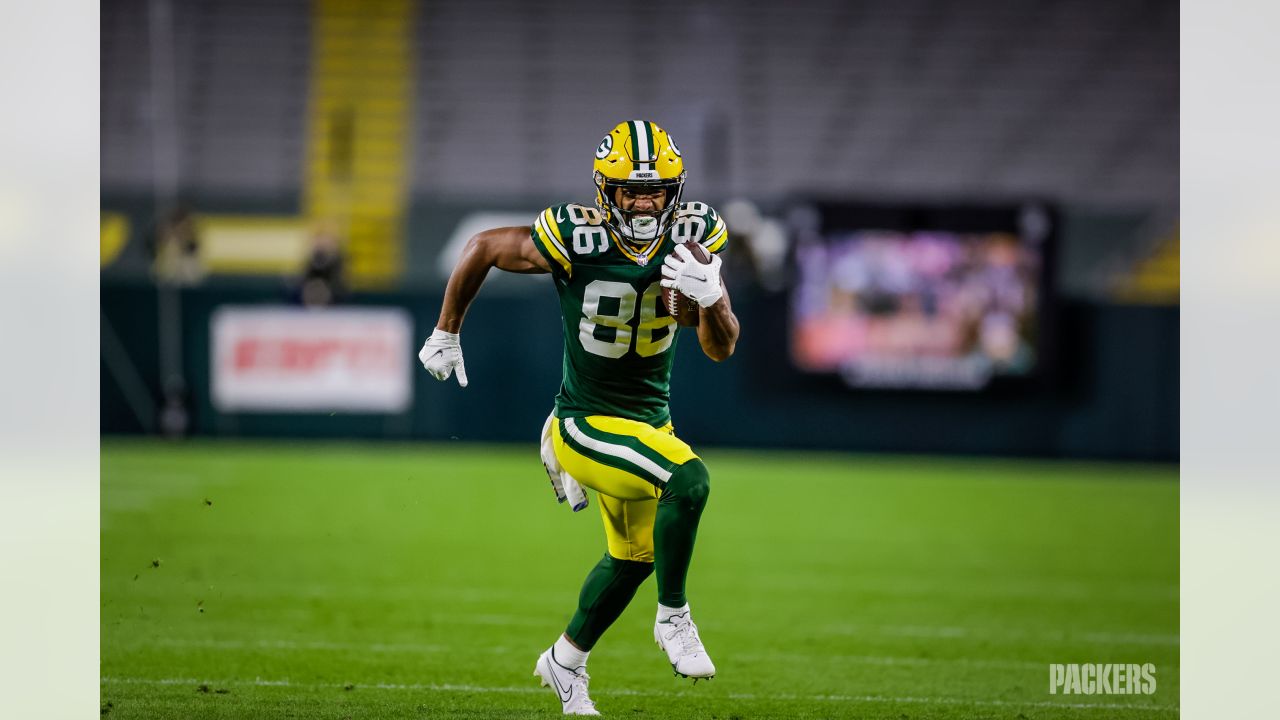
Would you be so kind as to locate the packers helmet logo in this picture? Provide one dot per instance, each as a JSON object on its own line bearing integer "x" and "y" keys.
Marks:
{"x": 672, "y": 143}
{"x": 606, "y": 147}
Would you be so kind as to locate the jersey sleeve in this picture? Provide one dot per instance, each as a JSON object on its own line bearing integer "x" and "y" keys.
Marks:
{"x": 701, "y": 223}
{"x": 717, "y": 237}
{"x": 548, "y": 237}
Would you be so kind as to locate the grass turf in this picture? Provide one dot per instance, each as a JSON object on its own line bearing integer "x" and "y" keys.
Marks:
{"x": 389, "y": 581}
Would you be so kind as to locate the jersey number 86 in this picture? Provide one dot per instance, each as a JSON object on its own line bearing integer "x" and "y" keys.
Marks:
{"x": 651, "y": 324}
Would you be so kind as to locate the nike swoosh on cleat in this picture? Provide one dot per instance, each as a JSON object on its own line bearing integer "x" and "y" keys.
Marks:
{"x": 565, "y": 694}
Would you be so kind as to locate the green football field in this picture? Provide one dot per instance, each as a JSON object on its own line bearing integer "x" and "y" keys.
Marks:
{"x": 325, "y": 580}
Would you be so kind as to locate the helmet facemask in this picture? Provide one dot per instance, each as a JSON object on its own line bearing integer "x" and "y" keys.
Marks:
{"x": 644, "y": 225}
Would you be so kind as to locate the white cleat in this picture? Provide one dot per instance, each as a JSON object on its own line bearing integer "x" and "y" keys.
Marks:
{"x": 570, "y": 684}
{"x": 678, "y": 637}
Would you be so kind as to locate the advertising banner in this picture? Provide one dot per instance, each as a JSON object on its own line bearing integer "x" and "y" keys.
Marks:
{"x": 286, "y": 359}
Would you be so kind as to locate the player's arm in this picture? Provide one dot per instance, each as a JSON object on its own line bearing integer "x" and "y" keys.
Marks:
{"x": 507, "y": 248}
{"x": 718, "y": 327}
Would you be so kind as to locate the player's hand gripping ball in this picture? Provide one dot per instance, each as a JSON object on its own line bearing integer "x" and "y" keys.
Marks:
{"x": 690, "y": 279}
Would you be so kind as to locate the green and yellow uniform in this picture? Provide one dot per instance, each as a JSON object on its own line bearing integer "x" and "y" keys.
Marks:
{"x": 613, "y": 430}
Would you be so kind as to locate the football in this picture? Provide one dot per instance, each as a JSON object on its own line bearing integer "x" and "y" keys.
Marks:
{"x": 681, "y": 307}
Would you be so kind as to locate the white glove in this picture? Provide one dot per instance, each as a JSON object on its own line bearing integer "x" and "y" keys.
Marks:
{"x": 441, "y": 355}
{"x": 701, "y": 283}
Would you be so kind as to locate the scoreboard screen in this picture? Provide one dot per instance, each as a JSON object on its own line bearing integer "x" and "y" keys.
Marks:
{"x": 943, "y": 298}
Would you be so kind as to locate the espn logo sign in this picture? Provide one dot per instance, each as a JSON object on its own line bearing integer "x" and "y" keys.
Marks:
{"x": 269, "y": 359}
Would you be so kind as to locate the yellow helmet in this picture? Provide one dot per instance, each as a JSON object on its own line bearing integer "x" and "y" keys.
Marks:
{"x": 638, "y": 154}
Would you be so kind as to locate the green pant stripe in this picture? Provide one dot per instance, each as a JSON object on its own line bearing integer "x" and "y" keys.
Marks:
{"x": 605, "y": 458}
{"x": 630, "y": 441}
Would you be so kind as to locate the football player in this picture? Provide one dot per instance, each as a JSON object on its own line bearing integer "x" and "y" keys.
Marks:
{"x": 611, "y": 428}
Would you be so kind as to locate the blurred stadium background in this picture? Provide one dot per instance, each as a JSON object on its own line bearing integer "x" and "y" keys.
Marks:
{"x": 954, "y": 232}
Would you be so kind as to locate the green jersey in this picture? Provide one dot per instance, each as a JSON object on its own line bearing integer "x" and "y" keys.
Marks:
{"x": 619, "y": 339}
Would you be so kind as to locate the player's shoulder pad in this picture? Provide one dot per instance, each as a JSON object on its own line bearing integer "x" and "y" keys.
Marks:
{"x": 553, "y": 231}
{"x": 700, "y": 222}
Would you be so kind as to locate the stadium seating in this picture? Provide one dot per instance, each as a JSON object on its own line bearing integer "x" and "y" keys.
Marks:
{"x": 1072, "y": 99}
{"x": 238, "y": 92}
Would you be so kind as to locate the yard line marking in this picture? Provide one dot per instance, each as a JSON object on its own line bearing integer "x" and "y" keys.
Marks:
{"x": 411, "y": 648}
{"x": 254, "y": 589}
{"x": 913, "y": 631}
{"x": 446, "y": 687}
{"x": 1050, "y": 589}
{"x": 295, "y": 645}
{"x": 1132, "y": 638}
{"x": 505, "y": 620}
{"x": 427, "y": 649}
{"x": 954, "y": 632}
{"x": 894, "y": 660}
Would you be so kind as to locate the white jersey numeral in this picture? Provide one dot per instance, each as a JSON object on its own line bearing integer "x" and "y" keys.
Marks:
{"x": 689, "y": 227}
{"x": 583, "y": 215}
{"x": 587, "y": 240}
{"x": 593, "y": 318}
{"x": 650, "y": 323}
